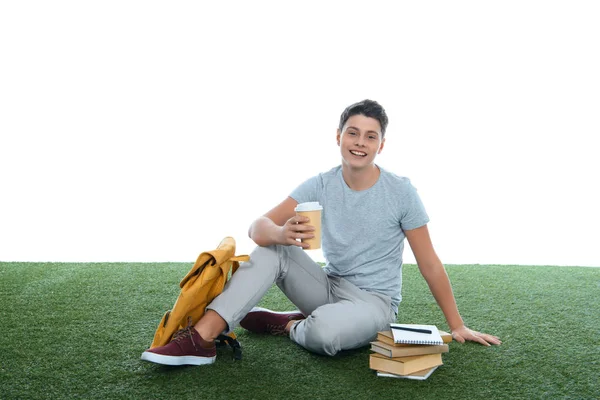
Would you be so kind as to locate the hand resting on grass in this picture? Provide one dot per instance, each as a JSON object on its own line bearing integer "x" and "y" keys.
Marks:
{"x": 463, "y": 334}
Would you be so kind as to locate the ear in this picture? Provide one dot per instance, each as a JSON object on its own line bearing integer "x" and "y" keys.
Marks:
{"x": 338, "y": 136}
{"x": 381, "y": 146}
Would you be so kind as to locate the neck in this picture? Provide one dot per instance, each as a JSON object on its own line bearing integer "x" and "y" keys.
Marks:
{"x": 360, "y": 178}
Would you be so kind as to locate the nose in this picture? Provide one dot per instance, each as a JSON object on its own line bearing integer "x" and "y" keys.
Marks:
{"x": 360, "y": 141}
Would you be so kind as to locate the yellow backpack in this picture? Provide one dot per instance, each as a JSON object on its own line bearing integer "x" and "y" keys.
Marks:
{"x": 201, "y": 285}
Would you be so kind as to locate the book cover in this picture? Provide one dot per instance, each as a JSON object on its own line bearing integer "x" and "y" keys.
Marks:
{"x": 391, "y": 351}
{"x": 419, "y": 375}
{"x": 416, "y": 334}
{"x": 404, "y": 365}
{"x": 386, "y": 337}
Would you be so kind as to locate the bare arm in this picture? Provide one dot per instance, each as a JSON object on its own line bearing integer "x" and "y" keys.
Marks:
{"x": 281, "y": 225}
{"x": 437, "y": 279}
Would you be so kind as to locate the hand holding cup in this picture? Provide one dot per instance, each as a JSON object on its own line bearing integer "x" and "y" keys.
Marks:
{"x": 309, "y": 213}
{"x": 297, "y": 229}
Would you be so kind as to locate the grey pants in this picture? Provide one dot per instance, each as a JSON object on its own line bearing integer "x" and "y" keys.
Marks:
{"x": 340, "y": 316}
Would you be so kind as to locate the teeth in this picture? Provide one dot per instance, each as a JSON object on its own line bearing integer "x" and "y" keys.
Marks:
{"x": 358, "y": 153}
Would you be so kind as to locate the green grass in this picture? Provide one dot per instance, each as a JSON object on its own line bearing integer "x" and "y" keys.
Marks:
{"x": 77, "y": 331}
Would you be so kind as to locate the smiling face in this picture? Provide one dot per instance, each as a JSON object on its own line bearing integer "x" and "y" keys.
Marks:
{"x": 360, "y": 141}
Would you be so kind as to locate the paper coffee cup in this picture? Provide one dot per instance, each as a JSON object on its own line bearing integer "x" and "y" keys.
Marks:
{"x": 312, "y": 210}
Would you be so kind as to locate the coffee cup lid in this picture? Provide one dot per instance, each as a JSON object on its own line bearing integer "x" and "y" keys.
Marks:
{"x": 309, "y": 206}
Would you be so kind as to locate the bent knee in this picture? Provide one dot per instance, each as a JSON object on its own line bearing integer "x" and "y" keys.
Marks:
{"x": 264, "y": 255}
{"x": 321, "y": 337}
{"x": 264, "y": 250}
{"x": 324, "y": 335}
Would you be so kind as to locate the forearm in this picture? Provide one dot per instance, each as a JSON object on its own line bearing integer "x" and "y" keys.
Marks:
{"x": 439, "y": 284}
{"x": 265, "y": 232}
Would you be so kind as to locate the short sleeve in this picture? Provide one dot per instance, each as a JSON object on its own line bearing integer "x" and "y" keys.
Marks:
{"x": 307, "y": 191}
{"x": 413, "y": 214}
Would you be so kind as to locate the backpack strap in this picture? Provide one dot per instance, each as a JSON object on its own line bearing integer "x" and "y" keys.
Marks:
{"x": 223, "y": 340}
{"x": 236, "y": 262}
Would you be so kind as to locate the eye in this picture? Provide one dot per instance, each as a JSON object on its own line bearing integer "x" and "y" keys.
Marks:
{"x": 372, "y": 137}
{"x": 351, "y": 133}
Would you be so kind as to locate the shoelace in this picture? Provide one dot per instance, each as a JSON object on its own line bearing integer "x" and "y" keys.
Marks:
{"x": 278, "y": 330}
{"x": 184, "y": 333}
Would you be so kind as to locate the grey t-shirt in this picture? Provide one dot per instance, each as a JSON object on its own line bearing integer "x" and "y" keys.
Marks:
{"x": 363, "y": 231}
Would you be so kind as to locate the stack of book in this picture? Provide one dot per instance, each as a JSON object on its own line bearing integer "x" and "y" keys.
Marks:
{"x": 408, "y": 351}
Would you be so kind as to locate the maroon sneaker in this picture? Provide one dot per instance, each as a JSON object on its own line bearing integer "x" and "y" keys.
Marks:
{"x": 262, "y": 320}
{"x": 186, "y": 348}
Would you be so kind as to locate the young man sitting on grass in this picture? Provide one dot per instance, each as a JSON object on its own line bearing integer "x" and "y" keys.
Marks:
{"x": 367, "y": 213}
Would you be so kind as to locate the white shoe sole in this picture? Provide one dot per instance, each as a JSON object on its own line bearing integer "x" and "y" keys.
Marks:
{"x": 254, "y": 309}
{"x": 172, "y": 360}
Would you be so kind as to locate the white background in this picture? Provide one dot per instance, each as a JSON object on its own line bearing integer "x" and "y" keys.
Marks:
{"x": 148, "y": 131}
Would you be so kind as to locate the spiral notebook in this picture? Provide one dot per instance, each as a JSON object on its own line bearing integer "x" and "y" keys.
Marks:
{"x": 416, "y": 334}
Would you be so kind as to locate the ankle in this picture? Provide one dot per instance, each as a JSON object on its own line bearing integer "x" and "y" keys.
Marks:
{"x": 291, "y": 324}
{"x": 210, "y": 326}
